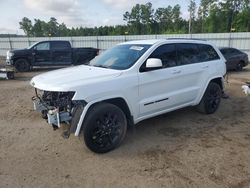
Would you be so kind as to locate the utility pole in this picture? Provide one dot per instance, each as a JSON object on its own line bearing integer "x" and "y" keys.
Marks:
{"x": 190, "y": 18}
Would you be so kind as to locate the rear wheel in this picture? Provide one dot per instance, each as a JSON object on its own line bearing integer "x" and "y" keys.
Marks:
{"x": 211, "y": 99}
{"x": 104, "y": 128}
{"x": 22, "y": 65}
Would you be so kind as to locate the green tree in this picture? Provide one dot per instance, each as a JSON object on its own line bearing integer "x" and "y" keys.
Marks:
{"x": 26, "y": 26}
{"x": 53, "y": 27}
{"x": 38, "y": 28}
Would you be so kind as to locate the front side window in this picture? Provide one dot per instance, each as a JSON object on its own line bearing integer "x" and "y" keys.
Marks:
{"x": 167, "y": 54}
{"x": 120, "y": 57}
{"x": 187, "y": 53}
{"x": 42, "y": 46}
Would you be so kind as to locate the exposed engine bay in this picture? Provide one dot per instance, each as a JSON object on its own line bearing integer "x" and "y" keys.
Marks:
{"x": 58, "y": 107}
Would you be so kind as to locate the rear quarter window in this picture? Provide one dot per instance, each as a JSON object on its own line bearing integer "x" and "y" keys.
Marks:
{"x": 207, "y": 53}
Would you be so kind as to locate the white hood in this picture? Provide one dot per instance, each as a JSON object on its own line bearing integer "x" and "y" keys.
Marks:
{"x": 69, "y": 79}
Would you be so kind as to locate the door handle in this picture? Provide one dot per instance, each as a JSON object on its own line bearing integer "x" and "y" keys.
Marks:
{"x": 176, "y": 71}
{"x": 33, "y": 53}
{"x": 204, "y": 66}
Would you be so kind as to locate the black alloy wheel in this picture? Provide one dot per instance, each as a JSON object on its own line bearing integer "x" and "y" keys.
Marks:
{"x": 211, "y": 99}
{"x": 22, "y": 65}
{"x": 105, "y": 128}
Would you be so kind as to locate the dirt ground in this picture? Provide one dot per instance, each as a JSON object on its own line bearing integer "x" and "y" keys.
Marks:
{"x": 178, "y": 149}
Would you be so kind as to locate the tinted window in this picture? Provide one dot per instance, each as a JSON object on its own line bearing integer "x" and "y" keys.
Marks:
{"x": 235, "y": 51}
{"x": 167, "y": 54}
{"x": 207, "y": 53}
{"x": 224, "y": 51}
{"x": 60, "y": 45}
{"x": 42, "y": 46}
{"x": 187, "y": 53}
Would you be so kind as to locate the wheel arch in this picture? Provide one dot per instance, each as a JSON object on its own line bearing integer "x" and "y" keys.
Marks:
{"x": 122, "y": 104}
{"x": 118, "y": 101}
{"x": 217, "y": 80}
{"x": 18, "y": 58}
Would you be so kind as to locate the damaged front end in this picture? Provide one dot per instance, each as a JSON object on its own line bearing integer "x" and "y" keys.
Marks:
{"x": 57, "y": 108}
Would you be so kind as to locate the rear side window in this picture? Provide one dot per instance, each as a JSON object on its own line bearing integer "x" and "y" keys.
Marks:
{"x": 60, "y": 45}
{"x": 167, "y": 54}
{"x": 207, "y": 53}
{"x": 187, "y": 53}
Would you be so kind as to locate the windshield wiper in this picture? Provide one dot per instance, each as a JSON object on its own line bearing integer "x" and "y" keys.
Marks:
{"x": 102, "y": 66}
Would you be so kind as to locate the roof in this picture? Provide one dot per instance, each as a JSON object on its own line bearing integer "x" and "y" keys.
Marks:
{"x": 170, "y": 40}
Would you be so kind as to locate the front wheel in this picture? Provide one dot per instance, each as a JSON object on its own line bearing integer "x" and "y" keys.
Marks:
{"x": 104, "y": 128}
{"x": 22, "y": 65}
{"x": 211, "y": 99}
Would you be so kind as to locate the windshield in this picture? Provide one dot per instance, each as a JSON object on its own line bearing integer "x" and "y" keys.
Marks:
{"x": 120, "y": 57}
{"x": 32, "y": 45}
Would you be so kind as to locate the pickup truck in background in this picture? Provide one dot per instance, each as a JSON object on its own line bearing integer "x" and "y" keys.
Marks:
{"x": 49, "y": 53}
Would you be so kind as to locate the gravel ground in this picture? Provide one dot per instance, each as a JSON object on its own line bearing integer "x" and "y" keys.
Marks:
{"x": 179, "y": 149}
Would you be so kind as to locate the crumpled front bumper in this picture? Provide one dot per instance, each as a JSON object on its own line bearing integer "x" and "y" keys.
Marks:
{"x": 55, "y": 117}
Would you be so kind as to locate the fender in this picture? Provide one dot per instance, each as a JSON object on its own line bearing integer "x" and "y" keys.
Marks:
{"x": 204, "y": 89}
{"x": 87, "y": 107}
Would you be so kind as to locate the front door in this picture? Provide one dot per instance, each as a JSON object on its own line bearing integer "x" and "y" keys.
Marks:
{"x": 41, "y": 54}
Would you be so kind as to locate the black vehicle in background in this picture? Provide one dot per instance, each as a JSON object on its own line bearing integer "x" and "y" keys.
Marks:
{"x": 235, "y": 59}
{"x": 49, "y": 53}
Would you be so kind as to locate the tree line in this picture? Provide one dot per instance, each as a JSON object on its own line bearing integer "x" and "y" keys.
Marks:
{"x": 209, "y": 16}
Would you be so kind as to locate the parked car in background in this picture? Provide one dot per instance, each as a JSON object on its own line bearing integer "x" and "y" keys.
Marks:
{"x": 236, "y": 59}
{"x": 49, "y": 53}
{"x": 128, "y": 83}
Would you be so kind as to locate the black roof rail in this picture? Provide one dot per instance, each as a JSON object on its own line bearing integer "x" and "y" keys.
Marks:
{"x": 186, "y": 39}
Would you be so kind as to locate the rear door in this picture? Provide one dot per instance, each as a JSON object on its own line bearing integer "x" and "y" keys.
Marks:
{"x": 61, "y": 53}
{"x": 165, "y": 88}
{"x": 41, "y": 54}
{"x": 195, "y": 70}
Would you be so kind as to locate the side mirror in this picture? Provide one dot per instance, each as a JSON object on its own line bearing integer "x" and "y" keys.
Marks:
{"x": 153, "y": 63}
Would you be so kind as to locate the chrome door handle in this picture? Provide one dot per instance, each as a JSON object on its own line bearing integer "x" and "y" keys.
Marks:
{"x": 176, "y": 71}
{"x": 205, "y": 67}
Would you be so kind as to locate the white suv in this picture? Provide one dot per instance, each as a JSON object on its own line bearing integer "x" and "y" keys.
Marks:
{"x": 128, "y": 83}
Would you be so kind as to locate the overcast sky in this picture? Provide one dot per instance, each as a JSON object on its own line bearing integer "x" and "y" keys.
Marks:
{"x": 86, "y": 13}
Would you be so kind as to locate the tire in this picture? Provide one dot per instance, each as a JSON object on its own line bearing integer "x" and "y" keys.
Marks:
{"x": 104, "y": 128}
{"x": 44, "y": 114}
{"x": 239, "y": 66}
{"x": 10, "y": 75}
{"x": 211, "y": 99}
{"x": 22, "y": 65}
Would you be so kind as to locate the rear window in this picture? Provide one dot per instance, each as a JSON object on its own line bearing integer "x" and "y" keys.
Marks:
{"x": 60, "y": 45}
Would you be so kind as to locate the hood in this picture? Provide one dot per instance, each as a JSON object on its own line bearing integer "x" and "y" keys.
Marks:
{"x": 70, "y": 79}
{"x": 20, "y": 51}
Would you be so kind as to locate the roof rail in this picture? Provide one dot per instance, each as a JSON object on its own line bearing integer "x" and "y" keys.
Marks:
{"x": 186, "y": 39}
